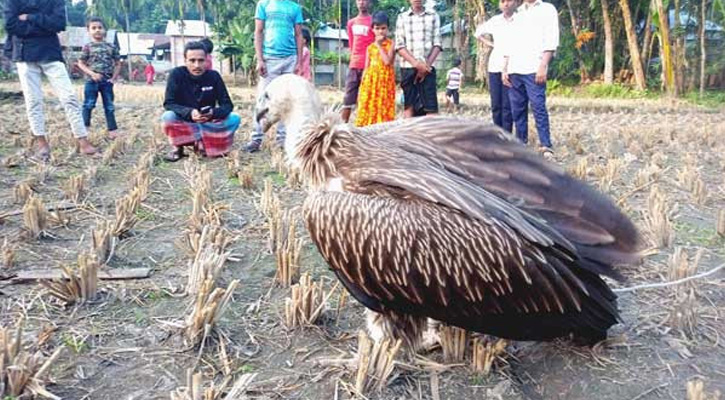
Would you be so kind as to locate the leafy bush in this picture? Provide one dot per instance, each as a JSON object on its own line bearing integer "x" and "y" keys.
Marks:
{"x": 555, "y": 87}
{"x": 614, "y": 91}
{"x": 711, "y": 98}
{"x": 331, "y": 57}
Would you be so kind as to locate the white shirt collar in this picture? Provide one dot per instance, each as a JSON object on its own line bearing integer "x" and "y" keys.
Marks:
{"x": 525, "y": 6}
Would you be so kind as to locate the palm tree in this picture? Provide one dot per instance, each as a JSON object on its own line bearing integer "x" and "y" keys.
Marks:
{"x": 633, "y": 47}
{"x": 665, "y": 47}
{"x": 608, "y": 44}
{"x": 127, "y": 6}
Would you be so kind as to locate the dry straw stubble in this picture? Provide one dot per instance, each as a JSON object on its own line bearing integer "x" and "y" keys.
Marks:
{"x": 22, "y": 374}
{"x": 376, "y": 361}
{"x": 77, "y": 286}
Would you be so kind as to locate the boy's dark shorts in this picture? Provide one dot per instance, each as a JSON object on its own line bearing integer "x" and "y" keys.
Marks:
{"x": 352, "y": 86}
{"x": 453, "y": 94}
{"x": 422, "y": 96}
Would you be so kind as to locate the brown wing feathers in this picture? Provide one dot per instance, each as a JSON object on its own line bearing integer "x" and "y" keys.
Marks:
{"x": 454, "y": 219}
{"x": 488, "y": 156}
{"x": 429, "y": 261}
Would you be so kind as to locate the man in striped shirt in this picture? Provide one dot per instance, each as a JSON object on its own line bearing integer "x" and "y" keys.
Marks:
{"x": 418, "y": 42}
{"x": 455, "y": 80}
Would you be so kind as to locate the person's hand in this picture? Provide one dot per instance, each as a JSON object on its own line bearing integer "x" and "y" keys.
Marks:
{"x": 23, "y": 17}
{"x": 298, "y": 68}
{"x": 197, "y": 116}
{"x": 505, "y": 79}
{"x": 96, "y": 77}
{"x": 261, "y": 68}
{"x": 541, "y": 75}
{"x": 421, "y": 70}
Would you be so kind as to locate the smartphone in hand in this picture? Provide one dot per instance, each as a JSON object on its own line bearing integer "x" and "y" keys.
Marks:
{"x": 205, "y": 110}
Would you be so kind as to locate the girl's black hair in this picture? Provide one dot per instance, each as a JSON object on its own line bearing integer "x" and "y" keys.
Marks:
{"x": 306, "y": 35}
{"x": 208, "y": 45}
{"x": 380, "y": 18}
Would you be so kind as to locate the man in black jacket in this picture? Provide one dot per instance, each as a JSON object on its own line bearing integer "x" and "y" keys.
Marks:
{"x": 33, "y": 26}
{"x": 199, "y": 110}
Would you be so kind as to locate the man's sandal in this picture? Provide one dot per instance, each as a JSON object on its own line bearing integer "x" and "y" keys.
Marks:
{"x": 174, "y": 155}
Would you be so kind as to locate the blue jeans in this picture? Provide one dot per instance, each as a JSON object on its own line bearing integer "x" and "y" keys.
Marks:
{"x": 90, "y": 95}
{"x": 275, "y": 68}
{"x": 524, "y": 89}
{"x": 500, "y": 103}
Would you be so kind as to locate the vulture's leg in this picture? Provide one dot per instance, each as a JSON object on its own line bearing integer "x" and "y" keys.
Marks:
{"x": 431, "y": 336}
{"x": 392, "y": 325}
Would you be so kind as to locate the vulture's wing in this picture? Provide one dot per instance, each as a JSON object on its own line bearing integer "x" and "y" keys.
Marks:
{"x": 419, "y": 258}
{"x": 494, "y": 161}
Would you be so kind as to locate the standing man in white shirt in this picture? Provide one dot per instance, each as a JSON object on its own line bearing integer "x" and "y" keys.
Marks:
{"x": 499, "y": 27}
{"x": 526, "y": 63}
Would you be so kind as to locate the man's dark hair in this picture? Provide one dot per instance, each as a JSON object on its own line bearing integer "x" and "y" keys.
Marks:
{"x": 306, "y": 35}
{"x": 194, "y": 46}
{"x": 93, "y": 19}
{"x": 380, "y": 18}
{"x": 208, "y": 45}
{"x": 456, "y": 62}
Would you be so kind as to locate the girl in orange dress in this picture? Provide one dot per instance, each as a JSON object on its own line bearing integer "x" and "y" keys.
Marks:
{"x": 376, "y": 99}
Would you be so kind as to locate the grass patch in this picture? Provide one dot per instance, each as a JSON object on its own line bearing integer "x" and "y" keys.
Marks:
{"x": 144, "y": 214}
{"x": 76, "y": 344}
{"x": 701, "y": 236}
{"x": 710, "y": 99}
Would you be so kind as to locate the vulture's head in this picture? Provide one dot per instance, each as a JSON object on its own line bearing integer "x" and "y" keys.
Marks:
{"x": 290, "y": 99}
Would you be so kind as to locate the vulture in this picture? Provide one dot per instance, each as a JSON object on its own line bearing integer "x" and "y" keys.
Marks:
{"x": 452, "y": 220}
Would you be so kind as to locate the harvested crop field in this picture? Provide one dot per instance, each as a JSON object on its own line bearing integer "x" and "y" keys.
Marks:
{"x": 152, "y": 231}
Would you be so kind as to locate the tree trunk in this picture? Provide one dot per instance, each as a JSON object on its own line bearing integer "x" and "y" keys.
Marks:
{"x": 477, "y": 13}
{"x": 128, "y": 45}
{"x": 583, "y": 73}
{"x": 679, "y": 50}
{"x": 665, "y": 49}
{"x": 646, "y": 43}
{"x": 608, "y": 44}
{"x": 633, "y": 47}
{"x": 703, "y": 52}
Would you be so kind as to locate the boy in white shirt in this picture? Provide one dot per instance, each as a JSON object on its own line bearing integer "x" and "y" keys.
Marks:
{"x": 526, "y": 63}
{"x": 499, "y": 27}
{"x": 454, "y": 79}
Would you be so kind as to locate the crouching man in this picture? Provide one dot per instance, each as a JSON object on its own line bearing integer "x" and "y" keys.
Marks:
{"x": 198, "y": 108}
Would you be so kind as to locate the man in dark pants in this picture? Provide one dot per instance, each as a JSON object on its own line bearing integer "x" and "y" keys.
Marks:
{"x": 526, "y": 64}
{"x": 418, "y": 42}
{"x": 499, "y": 27}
